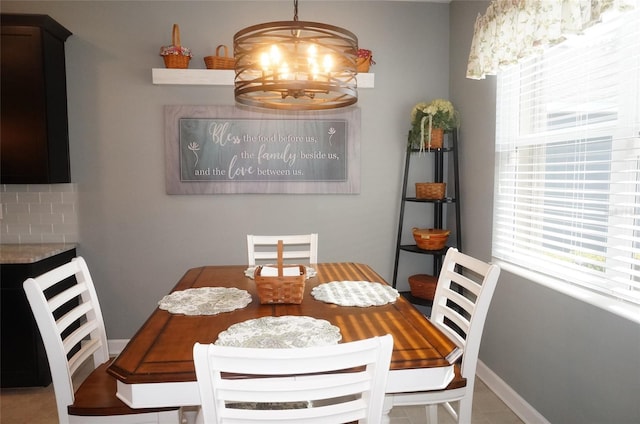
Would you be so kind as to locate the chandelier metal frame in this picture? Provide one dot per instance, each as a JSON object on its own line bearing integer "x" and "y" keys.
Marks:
{"x": 299, "y": 88}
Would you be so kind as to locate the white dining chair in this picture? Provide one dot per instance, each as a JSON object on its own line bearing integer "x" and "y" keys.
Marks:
{"x": 68, "y": 315}
{"x": 460, "y": 305}
{"x": 298, "y": 246}
{"x": 328, "y": 384}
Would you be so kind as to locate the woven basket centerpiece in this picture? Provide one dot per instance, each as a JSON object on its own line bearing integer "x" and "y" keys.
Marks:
{"x": 430, "y": 190}
{"x": 286, "y": 287}
{"x": 220, "y": 61}
{"x": 430, "y": 238}
{"x": 175, "y": 56}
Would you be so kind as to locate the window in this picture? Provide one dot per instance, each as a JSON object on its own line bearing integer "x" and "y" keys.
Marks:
{"x": 567, "y": 199}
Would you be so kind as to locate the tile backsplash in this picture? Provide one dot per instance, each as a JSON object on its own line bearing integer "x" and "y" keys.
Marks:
{"x": 38, "y": 213}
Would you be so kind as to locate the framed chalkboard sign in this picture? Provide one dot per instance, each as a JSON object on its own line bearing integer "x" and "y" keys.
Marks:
{"x": 224, "y": 149}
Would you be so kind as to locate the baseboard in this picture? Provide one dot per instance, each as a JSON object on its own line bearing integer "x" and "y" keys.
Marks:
{"x": 512, "y": 399}
{"x": 116, "y": 346}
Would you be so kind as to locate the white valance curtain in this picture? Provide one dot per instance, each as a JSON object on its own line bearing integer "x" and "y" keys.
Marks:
{"x": 511, "y": 30}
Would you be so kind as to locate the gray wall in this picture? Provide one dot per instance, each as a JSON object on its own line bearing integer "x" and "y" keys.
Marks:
{"x": 573, "y": 362}
{"x": 138, "y": 240}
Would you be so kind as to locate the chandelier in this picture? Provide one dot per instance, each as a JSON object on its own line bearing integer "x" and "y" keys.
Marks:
{"x": 295, "y": 65}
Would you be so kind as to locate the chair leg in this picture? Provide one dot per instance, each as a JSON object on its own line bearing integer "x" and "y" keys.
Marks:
{"x": 189, "y": 414}
{"x": 432, "y": 413}
{"x": 170, "y": 417}
{"x": 464, "y": 410}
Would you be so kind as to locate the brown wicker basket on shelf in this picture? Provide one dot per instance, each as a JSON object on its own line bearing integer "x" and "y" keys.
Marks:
{"x": 430, "y": 238}
{"x": 179, "y": 60}
{"x": 423, "y": 286}
{"x": 220, "y": 62}
{"x": 281, "y": 288}
{"x": 363, "y": 64}
{"x": 430, "y": 190}
{"x": 176, "y": 61}
{"x": 437, "y": 139}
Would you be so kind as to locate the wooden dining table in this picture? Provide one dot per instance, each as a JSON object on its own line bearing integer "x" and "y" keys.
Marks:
{"x": 155, "y": 369}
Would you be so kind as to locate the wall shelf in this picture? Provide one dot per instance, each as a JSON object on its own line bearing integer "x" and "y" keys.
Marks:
{"x": 219, "y": 77}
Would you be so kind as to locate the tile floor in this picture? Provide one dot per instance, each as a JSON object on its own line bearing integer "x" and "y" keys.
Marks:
{"x": 487, "y": 409}
{"x": 37, "y": 406}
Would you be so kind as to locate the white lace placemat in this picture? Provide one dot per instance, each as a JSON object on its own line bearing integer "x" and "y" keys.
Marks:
{"x": 205, "y": 300}
{"x": 355, "y": 293}
{"x": 249, "y": 272}
{"x": 280, "y": 332}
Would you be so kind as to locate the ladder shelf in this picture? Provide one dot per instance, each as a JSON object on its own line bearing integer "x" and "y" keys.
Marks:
{"x": 439, "y": 206}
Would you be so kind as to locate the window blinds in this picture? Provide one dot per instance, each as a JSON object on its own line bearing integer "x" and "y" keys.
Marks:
{"x": 567, "y": 200}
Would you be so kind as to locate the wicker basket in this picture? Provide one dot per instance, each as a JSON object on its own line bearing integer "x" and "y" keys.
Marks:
{"x": 281, "y": 288}
{"x": 363, "y": 64}
{"x": 430, "y": 190}
{"x": 220, "y": 62}
{"x": 430, "y": 238}
{"x": 176, "y": 61}
{"x": 437, "y": 138}
{"x": 423, "y": 286}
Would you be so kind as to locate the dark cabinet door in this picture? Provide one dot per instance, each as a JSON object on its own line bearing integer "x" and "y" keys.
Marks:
{"x": 33, "y": 112}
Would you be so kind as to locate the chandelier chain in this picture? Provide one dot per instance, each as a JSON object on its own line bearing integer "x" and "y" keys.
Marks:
{"x": 295, "y": 10}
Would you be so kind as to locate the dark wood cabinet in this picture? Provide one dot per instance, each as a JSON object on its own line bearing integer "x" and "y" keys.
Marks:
{"x": 34, "y": 131}
{"x": 23, "y": 357}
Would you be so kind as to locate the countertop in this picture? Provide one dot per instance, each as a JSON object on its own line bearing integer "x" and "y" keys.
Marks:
{"x": 30, "y": 253}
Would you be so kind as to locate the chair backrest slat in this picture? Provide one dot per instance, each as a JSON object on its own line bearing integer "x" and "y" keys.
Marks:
{"x": 58, "y": 274}
{"x": 87, "y": 350}
{"x": 287, "y": 389}
{"x": 64, "y": 297}
{"x": 81, "y": 335}
{"x": 72, "y": 316}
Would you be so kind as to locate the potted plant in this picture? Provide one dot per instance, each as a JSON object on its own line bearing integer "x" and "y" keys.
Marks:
{"x": 429, "y": 121}
{"x": 364, "y": 60}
